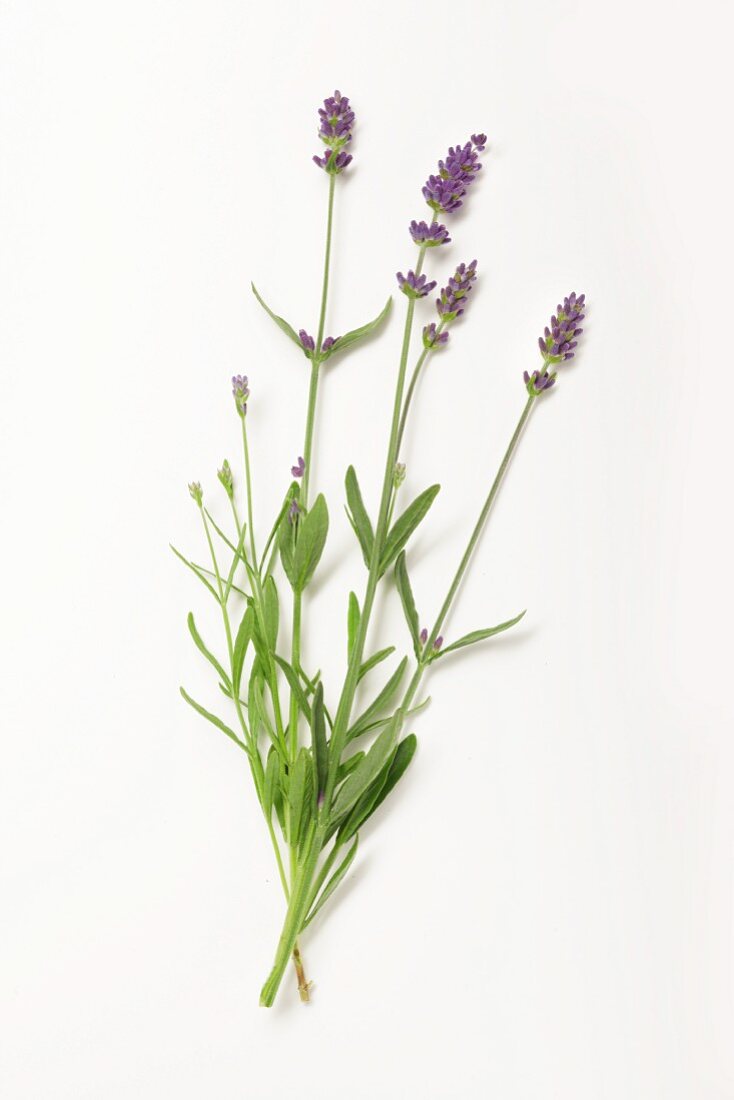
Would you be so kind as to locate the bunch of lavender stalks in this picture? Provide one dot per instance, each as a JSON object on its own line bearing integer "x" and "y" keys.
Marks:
{"x": 320, "y": 771}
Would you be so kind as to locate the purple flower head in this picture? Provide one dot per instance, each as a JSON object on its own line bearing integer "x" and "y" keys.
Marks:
{"x": 300, "y": 467}
{"x": 307, "y": 343}
{"x": 560, "y": 337}
{"x": 415, "y": 286}
{"x": 432, "y": 338}
{"x": 445, "y": 191}
{"x": 335, "y": 130}
{"x": 424, "y": 636}
{"x": 240, "y": 392}
{"x": 429, "y": 235}
{"x": 538, "y": 381}
{"x": 453, "y": 300}
{"x": 439, "y": 642}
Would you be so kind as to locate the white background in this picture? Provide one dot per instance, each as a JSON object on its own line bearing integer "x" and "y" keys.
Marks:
{"x": 545, "y": 910}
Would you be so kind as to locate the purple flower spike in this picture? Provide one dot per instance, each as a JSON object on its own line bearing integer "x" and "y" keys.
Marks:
{"x": 424, "y": 636}
{"x": 453, "y": 300}
{"x": 560, "y": 337}
{"x": 240, "y": 392}
{"x": 432, "y": 338}
{"x": 429, "y": 235}
{"x": 439, "y": 642}
{"x": 335, "y": 130}
{"x": 307, "y": 342}
{"x": 300, "y": 467}
{"x": 445, "y": 191}
{"x": 415, "y": 286}
{"x": 538, "y": 381}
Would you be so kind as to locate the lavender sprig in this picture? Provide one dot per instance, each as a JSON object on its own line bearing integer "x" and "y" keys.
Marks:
{"x": 337, "y": 120}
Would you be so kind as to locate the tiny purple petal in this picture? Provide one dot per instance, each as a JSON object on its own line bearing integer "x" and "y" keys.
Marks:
{"x": 300, "y": 467}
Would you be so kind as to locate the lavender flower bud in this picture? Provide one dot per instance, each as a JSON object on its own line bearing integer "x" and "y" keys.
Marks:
{"x": 240, "y": 392}
{"x": 438, "y": 643}
{"x": 432, "y": 338}
{"x": 300, "y": 467}
{"x": 336, "y": 121}
{"x": 195, "y": 491}
{"x": 294, "y": 512}
{"x": 538, "y": 381}
{"x": 415, "y": 286}
{"x": 445, "y": 191}
{"x": 424, "y": 636}
{"x": 307, "y": 342}
{"x": 329, "y": 342}
{"x": 398, "y": 475}
{"x": 225, "y": 476}
{"x": 559, "y": 338}
{"x": 429, "y": 235}
{"x": 453, "y": 300}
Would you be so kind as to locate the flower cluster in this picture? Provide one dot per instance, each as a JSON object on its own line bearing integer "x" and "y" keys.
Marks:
{"x": 429, "y": 235}
{"x": 240, "y": 392}
{"x": 424, "y": 638}
{"x": 445, "y": 191}
{"x": 307, "y": 343}
{"x": 434, "y": 337}
{"x": 453, "y": 300}
{"x": 196, "y": 492}
{"x": 225, "y": 476}
{"x": 415, "y": 286}
{"x": 538, "y": 381}
{"x": 559, "y": 338}
{"x": 337, "y": 119}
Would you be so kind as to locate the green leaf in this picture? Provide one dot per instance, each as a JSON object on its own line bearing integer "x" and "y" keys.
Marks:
{"x": 356, "y": 334}
{"x": 287, "y": 536}
{"x": 214, "y": 720}
{"x": 202, "y": 649}
{"x": 349, "y": 765}
{"x": 477, "y": 636}
{"x": 405, "y": 525}
{"x": 380, "y": 789}
{"x": 353, "y": 617}
{"x": 406, "y": 598}
{"x": 220, "y": 532}
{"x": 319, "y": 748}
{"x": 257, "y": 711}
{"x": 379, "y": 704}
{"x": 297, "y": 793}
{"x": 294, "y": 684}
{"x": 195, "y": 569}
{"x": 374, "y": 660}
{"x": 358, "y": 517}
{"x": 280, "y": 322}
{"x": 241, "y": 642}
{"x": 365, "y": 773}
{"x": 333, "y": 882}
{"x": 270, "y": 613}
{"x": 239, "y": 556}
{"x": 276, "y": 526}
{"x": 272, "y": 780}
{"x": 310, "y": 540}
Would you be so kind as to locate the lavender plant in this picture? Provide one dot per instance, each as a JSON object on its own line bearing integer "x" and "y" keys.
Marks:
{"x": 320, "y": 771}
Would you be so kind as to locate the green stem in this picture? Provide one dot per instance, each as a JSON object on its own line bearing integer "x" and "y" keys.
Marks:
{"x": 411, "y": 387}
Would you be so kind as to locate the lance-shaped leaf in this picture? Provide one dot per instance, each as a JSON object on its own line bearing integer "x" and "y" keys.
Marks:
{"x": 241, "y": 642}
{"x": 202, "y": 649}
{"x": 380, "y": 789}
{"x": 280, "y": 321}
{"x": 349, "y": 765}
{"x": 349, "y": 338}
{"x": 287, "y": 531}
{"x": 213, "y": 719}
{"x": 270, "y": 612}
{"x": 333, "y": 882}
{"x": 374, "y": 660}
{"x": 407, "y": 600}
{"x": 294, "y": 684}
{"x": 195, "y": 570}
{"x": 477, "y": 636}
{"x": 353, "y": 617}
{"x": 405, "y": 525}
{"x": 381, "y": 703}
{"x": 297, "y": 793}
{"x": 365, "y": 773}
{"x": 272, "y": 781}
{"x": 310, "y": 540}
{"x": 358, "y": 517}
{"x": 319, "y": 748}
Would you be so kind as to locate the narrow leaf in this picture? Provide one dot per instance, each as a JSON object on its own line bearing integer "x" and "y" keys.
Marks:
{"x": 287, "y": 536}
{"x": 380, "y": 789}
{"x": 358, "y": 515}
{"x": 356, "y": 334}
{"x": 407, "y": 600}
{"x": 297, "y": 793}
{"x": 405, "y": 525}
{"x": 333, "y": 882}
{"x": 310, "y": 540}
{"x": 375, "y": 659}
{"x": 294, "y": 684}
{"x": 319, "y": 748}
{"x": 280, "y": 322}
{"x": 365, "y": 773}
{"x": 478, "y": 636}
{"x": 272, "y": 773}
{"x": 353, "y": 617}
{"x": 270, "y": 613}
{"x": 241, "y": 642}
{"x": 380, "y": 703}
{"x": 195, "y": 569}
{"x": 202, "y": 649}
{"x": 214, "y": 720}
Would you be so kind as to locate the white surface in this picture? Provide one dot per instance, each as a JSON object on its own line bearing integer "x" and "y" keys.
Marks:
{"x": 546, "y": 908}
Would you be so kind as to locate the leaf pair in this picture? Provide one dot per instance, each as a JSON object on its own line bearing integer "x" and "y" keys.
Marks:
{"x": 399, "y": 533}
{"x": 301, "y": 540}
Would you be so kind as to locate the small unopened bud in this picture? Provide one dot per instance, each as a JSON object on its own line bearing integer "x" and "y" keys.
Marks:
{"x": 300, "y": 467}
{"x": 424, "y": 636}
{"x": 307, "y": 343}
{"x": 225, "y": 476}
{"x": 195, "y": 491}
{"x": 240, "y": 392}
{"x": 439, "y": 642}
{"x": 398, "y": 474}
